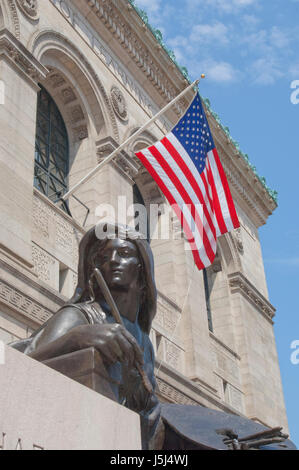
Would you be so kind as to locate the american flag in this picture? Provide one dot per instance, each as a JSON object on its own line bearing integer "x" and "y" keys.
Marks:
{"x": 187, "y": 168}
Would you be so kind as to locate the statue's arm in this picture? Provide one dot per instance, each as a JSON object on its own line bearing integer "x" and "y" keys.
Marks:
{"x": 68, "y": 331}
{"x": 58, "y": 337}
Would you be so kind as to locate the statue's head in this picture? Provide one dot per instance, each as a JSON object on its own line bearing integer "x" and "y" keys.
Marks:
{"x": 126, "y": 262}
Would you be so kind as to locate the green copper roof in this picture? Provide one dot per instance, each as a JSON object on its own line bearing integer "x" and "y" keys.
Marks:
{"x": 159, "y": 37}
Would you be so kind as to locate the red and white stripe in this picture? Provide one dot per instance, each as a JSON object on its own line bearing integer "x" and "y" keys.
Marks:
{"x": 175, "y": 173}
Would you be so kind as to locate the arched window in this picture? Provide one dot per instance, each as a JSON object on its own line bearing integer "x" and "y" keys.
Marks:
{"x": 51, "y": 149}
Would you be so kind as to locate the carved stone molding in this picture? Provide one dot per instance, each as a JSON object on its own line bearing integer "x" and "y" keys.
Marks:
{"x": 44, "y": 264}
{"x": 124, "y": 32}
{"x": 23, "y": 304}
{"x": 168, "y": 315}
{"x": 62, "y": 40}
{"x": 237, "y": 235}
{"x": 53, "y": 230}
{"x": 12, "y": 49}
{"x": 119, "y": 103}
{"x": 238, "y": 283}
{"x": 70, "y": 100}
{"x": 81, "y": 132}
{"x": 173, "y": 395}
{"x": 15, "y": 18}
{"x": 122, "y": 161}
{"x": 172, "y": 354}
{"x": 29, "y": 8}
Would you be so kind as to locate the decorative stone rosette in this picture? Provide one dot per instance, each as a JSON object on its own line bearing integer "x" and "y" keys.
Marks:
{"x": 29, "y": 8}
{"x": 119, "y": 103}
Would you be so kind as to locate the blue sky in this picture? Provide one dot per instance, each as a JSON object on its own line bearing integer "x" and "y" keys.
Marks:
{"x": 249, "y": 51}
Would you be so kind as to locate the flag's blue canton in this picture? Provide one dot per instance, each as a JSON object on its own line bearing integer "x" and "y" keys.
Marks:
{"x": 194, "y": 134}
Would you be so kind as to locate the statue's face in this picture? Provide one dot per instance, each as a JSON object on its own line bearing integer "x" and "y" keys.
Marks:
{"x": 119, "y": 263}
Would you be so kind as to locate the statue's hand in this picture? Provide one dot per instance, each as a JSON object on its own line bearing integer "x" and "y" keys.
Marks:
{"x": 113, "y": 341}
{"x": 134, "y": 391}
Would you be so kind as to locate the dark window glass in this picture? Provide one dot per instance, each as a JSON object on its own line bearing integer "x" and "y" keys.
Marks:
{"x": 208, "y": 303}
{"x": 51, "y": 149}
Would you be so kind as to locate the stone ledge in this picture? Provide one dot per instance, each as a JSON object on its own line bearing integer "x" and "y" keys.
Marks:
{"x": 13, "y": 51}
{"x": 224, "y": 346}
{"x": 176, "y": 388}
{"x": 239, "y": 283}
{"x": 41, "y": 408}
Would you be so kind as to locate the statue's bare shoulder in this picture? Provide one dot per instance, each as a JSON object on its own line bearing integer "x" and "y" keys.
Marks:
{"x": 60, "y": 324}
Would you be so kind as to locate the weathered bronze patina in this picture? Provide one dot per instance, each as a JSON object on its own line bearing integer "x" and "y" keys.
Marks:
{"x": 101, "y": 338}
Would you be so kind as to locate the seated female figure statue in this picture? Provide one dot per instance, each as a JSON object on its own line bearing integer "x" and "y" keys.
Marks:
{"x": 126, "y": 263}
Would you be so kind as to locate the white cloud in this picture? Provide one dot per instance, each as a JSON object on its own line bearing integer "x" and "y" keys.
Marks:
{"x": 285, "y": 261}
{"x": 294, "y": 70}
{"x": 201, "y": 36}
{"x": 265, "y": 71}
{"x": 279, "y": 38}
{"x": 250, "y": 21}
{"x": 219, "y": 72}
{"x": 150, "y": 6}
{"x": 205, "y": 33}
{"x": 229, "y": 6}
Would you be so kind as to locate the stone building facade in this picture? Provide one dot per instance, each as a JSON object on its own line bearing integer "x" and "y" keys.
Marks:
{"x": 105, "y": 73}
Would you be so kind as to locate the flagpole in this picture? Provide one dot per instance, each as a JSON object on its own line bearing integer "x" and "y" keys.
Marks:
{"x": 127, "y": 141}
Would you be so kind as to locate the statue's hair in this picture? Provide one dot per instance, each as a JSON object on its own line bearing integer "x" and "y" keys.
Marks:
{"x": 89, "y": 245}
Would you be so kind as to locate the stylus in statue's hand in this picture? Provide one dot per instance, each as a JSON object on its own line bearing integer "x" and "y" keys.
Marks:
{"x": 114, "y": 310}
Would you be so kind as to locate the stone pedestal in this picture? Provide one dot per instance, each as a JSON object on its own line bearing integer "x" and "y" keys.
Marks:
{"x": 42, "y": 409}
{"x": 87, "y": 368}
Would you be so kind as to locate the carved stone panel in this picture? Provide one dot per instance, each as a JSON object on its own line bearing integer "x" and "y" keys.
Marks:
{"x": 226, "y": 365}
{"x": 23, "y": 304}
{"x": 173, "y": 395}
{"x": 167, "y": 316}
{"x": 45, "y": 266}
{"x": 172, "y": 354}
{"x": 234, "y": 398}
{"x": 55, "y": 233}
{"x": 29, "y": 8}
{"x": 119, "y": 103}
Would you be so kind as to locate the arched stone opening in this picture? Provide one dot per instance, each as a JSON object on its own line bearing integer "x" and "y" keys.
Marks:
{"x": 80, "y": 128}
{"x": 55, "y": 50}
{"x": 82, "y": 101}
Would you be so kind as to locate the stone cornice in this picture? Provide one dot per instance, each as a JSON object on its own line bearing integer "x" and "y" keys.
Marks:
{"x": 122, "y": 162}
{"x": 239, "y": 283}
{"x": 156, "y": 73}
{"x": 124, "y": 23}
{"x": 14, "y": 51}
{"x": 179, "y": 389}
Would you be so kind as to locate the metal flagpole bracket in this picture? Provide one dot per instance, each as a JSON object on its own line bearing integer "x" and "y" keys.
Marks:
{"x": 92, "y": 173}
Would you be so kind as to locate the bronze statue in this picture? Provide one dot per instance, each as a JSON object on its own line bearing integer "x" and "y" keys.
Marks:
{"x": 126, "y": 263}
{"x": 112, "y": 310}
